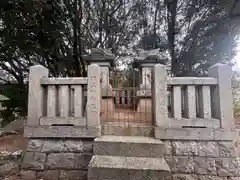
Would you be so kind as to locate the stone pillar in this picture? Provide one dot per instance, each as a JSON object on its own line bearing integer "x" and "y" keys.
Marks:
{"x": 160, "y": 102}
{"x": 35, "y": 94}
{"x": 93, "y": 95}
{"x": 146, "y": 63}
{"x": 222, "y": 100}
{"x": 106, "y": 61}
{"x": 190, "y": 99}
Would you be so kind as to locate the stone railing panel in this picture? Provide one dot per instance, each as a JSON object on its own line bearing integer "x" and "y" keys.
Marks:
{"x": 60, "y": 102}
{"x": 193, "y": 98}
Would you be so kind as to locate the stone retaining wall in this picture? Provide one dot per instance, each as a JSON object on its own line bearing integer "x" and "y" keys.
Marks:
{"x": 57, "y": 159}
{"x": 203, "y": 160}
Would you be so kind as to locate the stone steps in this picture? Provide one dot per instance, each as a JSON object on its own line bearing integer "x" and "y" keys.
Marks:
{"x": 128, "y": 158}
{"x": 127, "y": 168}
{"x": 128, "y": 146}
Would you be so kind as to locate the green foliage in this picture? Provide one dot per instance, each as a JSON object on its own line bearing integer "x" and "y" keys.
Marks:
{"x": 236, "y": 108}
{"x": 58, "y": 33}
{"x": 236, "y": 94}
{"x": 17, "y": 103}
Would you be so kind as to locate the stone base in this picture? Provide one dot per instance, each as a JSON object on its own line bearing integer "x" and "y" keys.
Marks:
{"x": 203, "y": 160}
{"x": 53, "y": 175}
{"x": 56, "y": 159}
{"x": 127, "y": 168}
{"x": 130, "y": 130}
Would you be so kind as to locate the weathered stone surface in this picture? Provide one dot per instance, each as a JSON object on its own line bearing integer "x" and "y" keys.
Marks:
{"x": 168, "y": 147}
{"x": 6, "y": 156}
{"x": 222, "y": 94}
{"x": 177, "y": 99}
{"x": 205, "y": 102}
{"x": 203, "y": 165}
{"x": 73, "y": 175}
{"x": 228, "y": 149}
{"x": 28, "y": 175}
{"x": 207, "y": 148}
{"x": 184, "y": 148}
{"x": 35, "y": 94}
{"x": 64, "y": 101}
{"x": 180, "y": 164}
{"x": 88, "y": 146}
{"x": 64, "y": 81}
{"x": 125, "y": 174}
{"x": 228, "y": 166}
{"x": 129, "y": 146}
{"x": 11, "y": 177}
{"x": 60, "y": 160}
{"x": 184, "y": 133}
{"x": 131, "y": 163}
{"x": 196, "y": 148}
{"x": 34, "y": 145}
{"x": 62, "y": 131}
{"x": 48, "y": 175}
{"x": 34, "y": 161}
{"x": 184, "y": 177}
{"x": 192, "y": 81}
{"x": 190, "y": 100}
{"x": 127, "y": 131}
{"x": 233, "y": 178}
{"x": 76, "y": 121}
{"x": 160, "y": 94}
{"x": 207, "y": 177}
{"x": 82, "y": 160}
{"x": 194, "y": 122}
{"x": 93, "y": 106}
{"x": 62, "y": 146}
{"x": 226, "y": 134}
{"x": 9, "y": 168}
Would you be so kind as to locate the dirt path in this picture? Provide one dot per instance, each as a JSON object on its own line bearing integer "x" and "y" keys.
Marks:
{"x": 12, "y": 143}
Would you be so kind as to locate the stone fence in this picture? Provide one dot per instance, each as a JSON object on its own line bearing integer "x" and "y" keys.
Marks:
{"x": 195, "y": 102}
{"x": 200, "y": 139}
{"x": 57, "y": 106}
{"x": 64, "y": 104}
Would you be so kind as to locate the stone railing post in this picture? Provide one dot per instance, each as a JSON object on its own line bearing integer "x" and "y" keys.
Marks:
{"x": 93, "y": 95}
{"x": 222, "y": 101}
{"x": 106, "y": 61}
{"x": 160, "y": 102}
{"x": 35, "y": 94}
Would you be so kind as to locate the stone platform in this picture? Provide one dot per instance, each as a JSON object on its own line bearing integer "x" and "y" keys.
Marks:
{"x": 126, "y": 157}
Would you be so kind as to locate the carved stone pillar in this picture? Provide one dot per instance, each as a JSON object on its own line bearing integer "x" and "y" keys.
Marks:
{"x": 106, "y": 61}
{"x": 145, "y": 63}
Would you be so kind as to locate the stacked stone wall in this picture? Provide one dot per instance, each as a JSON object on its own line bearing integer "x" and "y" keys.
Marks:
{"x": 203, "y": 160}
{"x": 56, "y": 159}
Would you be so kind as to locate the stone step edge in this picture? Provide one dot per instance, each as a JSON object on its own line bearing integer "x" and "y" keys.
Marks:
{"x": 134, "y": 163}
{"x": 127, "y": 139}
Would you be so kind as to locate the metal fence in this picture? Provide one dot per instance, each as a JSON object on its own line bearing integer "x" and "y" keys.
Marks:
{"x": 125, "y": 104}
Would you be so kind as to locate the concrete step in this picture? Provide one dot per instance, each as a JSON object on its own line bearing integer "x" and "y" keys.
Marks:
{"x": 128, "y": 146}
{"x": 127, "y": 168}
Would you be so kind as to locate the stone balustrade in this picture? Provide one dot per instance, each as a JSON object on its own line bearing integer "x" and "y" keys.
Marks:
{"x": 64, "y": 118}
{"x": 60, "y": 102}
{"x": 194, "y": 102}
